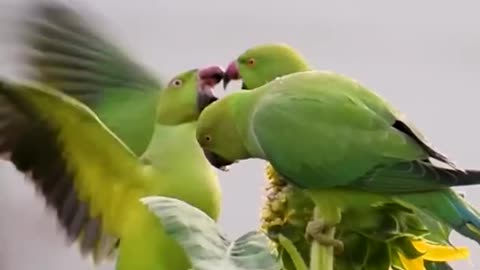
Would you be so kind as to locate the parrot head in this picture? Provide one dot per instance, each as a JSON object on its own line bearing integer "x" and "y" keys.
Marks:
{"x": 187, "y": 94}
{"x": 263, "y": 63}
{"x": 219, "y": 136}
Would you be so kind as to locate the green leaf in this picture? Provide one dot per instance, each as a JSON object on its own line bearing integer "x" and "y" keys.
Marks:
{"x": 207, "y": 247}
{"x": 437, "y": 266}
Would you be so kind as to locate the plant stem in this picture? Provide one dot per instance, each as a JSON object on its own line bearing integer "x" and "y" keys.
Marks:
{"x": 321, "y": 257}
{"x": 292, "y": 252}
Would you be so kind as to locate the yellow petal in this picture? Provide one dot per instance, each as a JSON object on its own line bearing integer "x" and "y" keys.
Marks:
{"x": 440, "y": 253}
{"x": 411, "y": 264}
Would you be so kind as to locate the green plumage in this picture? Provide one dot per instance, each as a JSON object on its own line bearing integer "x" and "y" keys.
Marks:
{"x": 119, "y": 135}
{"x": 65, "y": 54}
{"x": 344, "y": 123}
{"x": 287, "y": 209}
{"x": 329, "y": 135}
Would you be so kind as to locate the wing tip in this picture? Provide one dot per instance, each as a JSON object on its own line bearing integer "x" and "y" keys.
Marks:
{"x": 32, "y": 148}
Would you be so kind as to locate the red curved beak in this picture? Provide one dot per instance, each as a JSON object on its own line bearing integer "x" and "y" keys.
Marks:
{"x": 231, "y": 74}
{"x": 211, "y": 75}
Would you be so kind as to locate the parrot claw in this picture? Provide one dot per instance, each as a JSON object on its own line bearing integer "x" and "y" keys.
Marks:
{"x": 317, "y": 230}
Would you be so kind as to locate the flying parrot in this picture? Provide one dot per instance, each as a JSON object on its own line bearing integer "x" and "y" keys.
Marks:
{"x": 287, "y": 210}
{"x": 342, "y": 144}
{"x": 96, "y": 133}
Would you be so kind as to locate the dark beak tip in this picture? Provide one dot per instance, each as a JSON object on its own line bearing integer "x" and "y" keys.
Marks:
{"x": 226, "y": 81}
{"x": 204, "y": 100}
{"x": 218, "y": 77}
{"x": 216, "y": 160}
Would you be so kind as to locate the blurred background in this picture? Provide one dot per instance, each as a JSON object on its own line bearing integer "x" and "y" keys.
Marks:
{"x": 423, "y": 56}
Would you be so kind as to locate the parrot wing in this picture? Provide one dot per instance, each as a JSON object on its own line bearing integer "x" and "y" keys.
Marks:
{"x": 397, "y": 119}
{"x": 63, "y": 52}
{"x": 335, "y": 135}
{"x": 86, "y": 174}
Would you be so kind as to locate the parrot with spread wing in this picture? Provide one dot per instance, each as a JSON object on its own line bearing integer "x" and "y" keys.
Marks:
{"x": 287, "y": 209}
{"x": 96, "y": 132}
{"x": 342, "y": 144}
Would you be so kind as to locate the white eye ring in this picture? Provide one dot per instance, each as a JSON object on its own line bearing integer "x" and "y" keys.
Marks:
{"x": 177, "y": 83}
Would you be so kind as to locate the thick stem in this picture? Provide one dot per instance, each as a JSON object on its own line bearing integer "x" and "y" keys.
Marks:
{"x": 321, "y": 257}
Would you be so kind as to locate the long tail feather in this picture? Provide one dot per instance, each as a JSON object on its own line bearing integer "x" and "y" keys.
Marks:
{"x": 449, "y": 207}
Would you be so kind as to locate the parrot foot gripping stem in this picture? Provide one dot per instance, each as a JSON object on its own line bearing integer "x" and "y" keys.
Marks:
{"x": 317, "y": 230}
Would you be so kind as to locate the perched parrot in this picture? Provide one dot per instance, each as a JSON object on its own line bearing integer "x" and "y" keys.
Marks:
{"x": 96, "y": 133}
{"x": 342, "y": 144}
{"x": 287, "y": 209}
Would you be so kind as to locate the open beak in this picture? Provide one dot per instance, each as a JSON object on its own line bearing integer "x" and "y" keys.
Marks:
{"x": 230, "y": 74}
{"x": 217, "y": 161}
{"x": 208, "y": 77}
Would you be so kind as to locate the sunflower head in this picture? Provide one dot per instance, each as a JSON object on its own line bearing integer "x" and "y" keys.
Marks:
{"x": 399, "y": 240}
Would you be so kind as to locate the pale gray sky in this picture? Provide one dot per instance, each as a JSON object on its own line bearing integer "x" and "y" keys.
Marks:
{"x": 421, "y": 55}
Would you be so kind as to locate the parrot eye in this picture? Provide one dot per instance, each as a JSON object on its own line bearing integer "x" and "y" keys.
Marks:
{"x": 177, "y": 83}
{"x": 208, "y": 138}
{"x": 251, "y": 62}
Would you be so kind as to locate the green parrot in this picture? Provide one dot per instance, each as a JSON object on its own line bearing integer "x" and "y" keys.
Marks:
{"x": 261, "y": 64}
{"x": 93, "y": 171}
{"x": 345, "y": 146}
{"x": 94, "y": 181}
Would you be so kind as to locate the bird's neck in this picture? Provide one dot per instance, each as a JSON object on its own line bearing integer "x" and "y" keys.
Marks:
{"x": 171, "y": 144}
{"x": 242, "y": 109}
{"x": 179, "y": 164}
